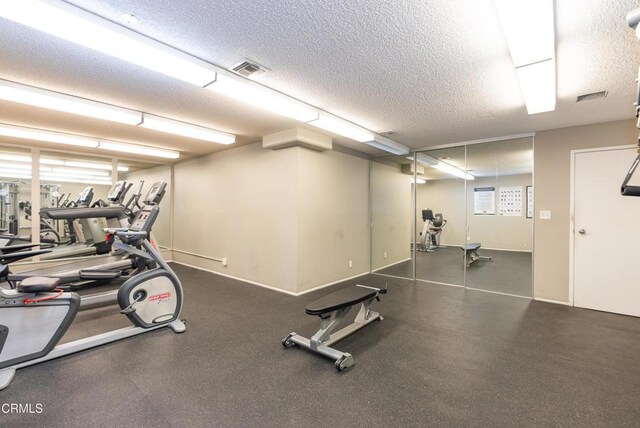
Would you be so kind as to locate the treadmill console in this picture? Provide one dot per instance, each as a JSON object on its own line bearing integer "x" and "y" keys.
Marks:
{"x": 145, "y": 218}
{"x": 115, "y": 193}
{"x": 85, "y": 197}
{"x": 156, "y": 193}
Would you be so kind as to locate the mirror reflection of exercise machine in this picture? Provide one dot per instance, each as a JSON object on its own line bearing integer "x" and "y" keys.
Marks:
{"x": 431, "y": 231}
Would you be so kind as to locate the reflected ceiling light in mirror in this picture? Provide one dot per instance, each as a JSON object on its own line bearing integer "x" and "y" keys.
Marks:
{"x": 76, "y": 140}
{"x": 37, "y": 97}
{"x": 138, "y": 150}
{"x": 93, "y": 165}
{"x": 452, "y": 170}
{"x": 15, "y": 158}
{"x": 71, "y": 23}
{"x": 419, "y": 180}
{"x": 423, "y": 159}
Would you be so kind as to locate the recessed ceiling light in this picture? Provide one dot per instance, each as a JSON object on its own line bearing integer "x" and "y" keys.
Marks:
{"x": 130, "y": 19}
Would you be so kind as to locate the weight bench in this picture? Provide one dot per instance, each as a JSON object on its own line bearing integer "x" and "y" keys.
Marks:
{"x": 471, "y": 253}
{"x": 332, "y": 310}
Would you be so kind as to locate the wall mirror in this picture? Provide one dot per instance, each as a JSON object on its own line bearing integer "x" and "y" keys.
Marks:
{"x": 440, "y": 215}
{"x": 499, "y": 216}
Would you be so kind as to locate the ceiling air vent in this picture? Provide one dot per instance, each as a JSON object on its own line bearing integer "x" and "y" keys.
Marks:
{"x": 592, "y": 96}
{"x": 247, "y": 68}
{"x": 389, "y": 133}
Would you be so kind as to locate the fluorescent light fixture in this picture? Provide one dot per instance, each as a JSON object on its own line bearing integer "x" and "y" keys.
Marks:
{"x": 538, "y": 86}
{"x": 388, "y": 145}
{"x": 73, "y": 171}
{"x": 529, "y": 31}
{"x": 70, "y": 179}
{"x": 57, "y": 137}
{"x": 92, "y": 165}
{"x": 186, "y": 129}
{"x": 8, "y": 173}
{"x": 528, "y": 28}
{"x": 419, "y": 180}
{"x": 139, "y": 150}
{"x": 342, "y": 127}
{"x": 452, "y": 170}
{"x": 47, "y": 161}
{"x": 15, "y": 158}
{"x": 48, "y": 136}
{"x": 68, "y": 22}
{"x": 260, "y": 96}
{"x": 423, "y": 159}
{"x": 24, "y": 94}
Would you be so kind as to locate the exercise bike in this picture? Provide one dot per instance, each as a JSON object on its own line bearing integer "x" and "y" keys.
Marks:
{"x": 430, "y": 235}
{"x": 36, "y": 315}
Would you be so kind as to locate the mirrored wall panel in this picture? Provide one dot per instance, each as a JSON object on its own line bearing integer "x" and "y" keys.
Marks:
{"x": 440, "y": 215}
{"x": 391, "y": 216}
{"x": 499, "y": 216}
{"x": 74, "y": 182}
{"x": 15, "y": 196}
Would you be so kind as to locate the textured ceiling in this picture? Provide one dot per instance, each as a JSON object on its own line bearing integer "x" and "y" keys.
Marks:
{"x": 436, "y": 72}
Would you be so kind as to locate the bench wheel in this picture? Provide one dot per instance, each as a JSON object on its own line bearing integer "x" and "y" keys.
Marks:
{"x": 287, "y": 342}
{"x": 344, "y": 362}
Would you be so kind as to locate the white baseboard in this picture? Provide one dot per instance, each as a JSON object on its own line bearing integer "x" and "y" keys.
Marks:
{"x": 259, "y": 284}
{"x": 557, "y": 302}
{"x": 391, "y": 264}
{"x": 331, "y": 283}
{"x": 248, "y": 281}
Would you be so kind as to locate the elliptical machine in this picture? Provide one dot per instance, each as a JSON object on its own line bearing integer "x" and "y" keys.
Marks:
{"x": 36, "y": 315}
{"x": 431, "y": 231}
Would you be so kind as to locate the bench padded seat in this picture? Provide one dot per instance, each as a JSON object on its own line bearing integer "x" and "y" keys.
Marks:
{"x": 342, "y": 299}
{"x": 472, "y": 246}
{"x": 38, "y": 283}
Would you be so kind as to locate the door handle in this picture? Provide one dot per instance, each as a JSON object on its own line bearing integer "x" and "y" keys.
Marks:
{"x": 582, "y": 232}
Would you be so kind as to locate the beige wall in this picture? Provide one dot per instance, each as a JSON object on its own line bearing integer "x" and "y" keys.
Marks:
{"x": 391, "y": 206}
{"x": 162, "y": 227}
{"x": 240, "y": 204}
{"x": 291, "y": 219}
{"x": 552, "y": 192}
{"x": 333, "y": 216}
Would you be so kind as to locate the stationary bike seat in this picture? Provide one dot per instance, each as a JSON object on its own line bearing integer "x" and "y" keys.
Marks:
{"x": 37, "y": 284}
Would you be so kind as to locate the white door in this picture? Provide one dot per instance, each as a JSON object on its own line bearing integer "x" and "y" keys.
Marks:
{"x": 606, "y": 268}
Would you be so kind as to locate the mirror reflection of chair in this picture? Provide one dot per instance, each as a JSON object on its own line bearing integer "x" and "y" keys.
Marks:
{"x": 431, "y": 231}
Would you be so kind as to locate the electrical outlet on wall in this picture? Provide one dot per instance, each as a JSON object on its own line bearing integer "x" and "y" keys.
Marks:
{"x": 225, "y": 261}
{"x": 385, "y": 255}
{"x": 350, "y": 263}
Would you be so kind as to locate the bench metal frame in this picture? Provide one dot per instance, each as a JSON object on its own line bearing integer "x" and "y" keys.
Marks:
{"x": 472, "y": 256}
{"x": 325, "y": 337}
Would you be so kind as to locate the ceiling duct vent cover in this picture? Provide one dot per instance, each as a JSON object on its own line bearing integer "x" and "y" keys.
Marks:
{"x": 247, "y": 68}
{"x": 592, "y": 96}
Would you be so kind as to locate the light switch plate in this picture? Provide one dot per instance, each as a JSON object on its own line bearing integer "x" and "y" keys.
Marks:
{"x": 545, "y": 215}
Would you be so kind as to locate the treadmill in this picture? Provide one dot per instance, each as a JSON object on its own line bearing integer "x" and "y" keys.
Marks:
{"x": 90, "y": 222}
{"x": 110, "y": 269}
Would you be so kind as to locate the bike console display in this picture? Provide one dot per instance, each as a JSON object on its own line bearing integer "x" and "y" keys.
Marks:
{"x": 145, "y": 218}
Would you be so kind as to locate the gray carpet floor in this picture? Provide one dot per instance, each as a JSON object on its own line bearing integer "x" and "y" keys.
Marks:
{"x": 443, "y": 356}
{"x": 509, "y": 272}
